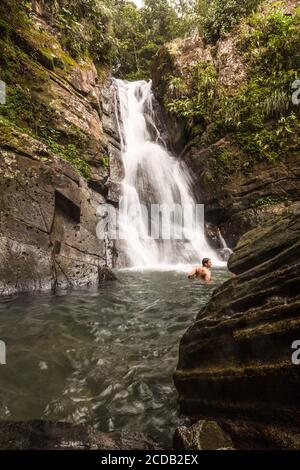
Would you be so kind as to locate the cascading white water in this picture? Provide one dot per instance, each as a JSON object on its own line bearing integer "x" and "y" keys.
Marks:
{"x": 223, "y": 242}
{"x": 152, "y": 177}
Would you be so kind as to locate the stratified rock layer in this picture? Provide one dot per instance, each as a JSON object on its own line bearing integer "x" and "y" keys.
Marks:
{"x": 235, "y": 363}
{"x": 48, "y": 223}
{"x": 52, "y": 233}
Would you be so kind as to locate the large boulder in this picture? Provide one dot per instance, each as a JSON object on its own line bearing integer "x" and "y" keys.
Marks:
{"x": 235, "y": 362}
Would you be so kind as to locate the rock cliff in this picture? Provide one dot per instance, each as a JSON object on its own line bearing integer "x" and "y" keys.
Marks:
{"x": 59, "y": 156}
{"x": 240, "y": 143}
{"x": 235, "y": 363}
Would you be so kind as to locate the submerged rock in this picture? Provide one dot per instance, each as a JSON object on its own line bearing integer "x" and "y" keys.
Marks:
{"x": 235, "y": 363}
{"x": 203, "y": 435}
{"x": 46, "y": 435}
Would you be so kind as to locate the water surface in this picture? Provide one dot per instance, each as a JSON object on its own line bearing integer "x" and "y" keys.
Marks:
{"x": 100, "y": 357}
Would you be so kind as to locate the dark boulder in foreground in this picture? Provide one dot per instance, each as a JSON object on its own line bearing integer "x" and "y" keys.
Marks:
{"x": 235, "y": 365}
{"x": 45, "y": 435}
{"x": 203, "y": 435}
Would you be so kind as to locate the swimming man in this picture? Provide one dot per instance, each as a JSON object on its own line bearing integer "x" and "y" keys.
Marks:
{"x": 202, "y": 272}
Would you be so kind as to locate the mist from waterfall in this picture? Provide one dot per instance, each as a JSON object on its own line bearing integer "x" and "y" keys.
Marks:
{"x": 154, "y": 177}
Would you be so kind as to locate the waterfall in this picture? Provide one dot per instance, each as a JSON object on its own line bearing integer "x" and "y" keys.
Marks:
{"x": 225, "y": 250}
{"x": 154, "y": 177}
{"x": 223, "y": 242}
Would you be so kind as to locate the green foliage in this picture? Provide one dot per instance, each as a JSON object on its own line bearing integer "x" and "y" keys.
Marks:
{"x": 105, "y": 161}
{"x": 34, "y": 118}
{"x": 23, "y": 44}
{"x": 222, "y": 15}
{"x": 224, "y": 161}
{"x": 140, "y": 33}
{"x": 29, "y": 106}
{"x": 273, "y": 41}
{"x": 270, "y": 201}
{"x": 110, "y": 32}
{"x": 22, "y": 109}
{"x": 160, "y": 20}
{"x": 85, "y": 27}
{"x": 188, "y": 12}
{"x": 117, "y": 33}
{"x": 259, "y": 116}
{"x": 271, "y": 47}
{"x": 129, "y": 40}
{"x": 29, "y": 117}
{"x": 194, "y": 97}
{"x": 272, "y": 144}
{"x": 74, "y": 153}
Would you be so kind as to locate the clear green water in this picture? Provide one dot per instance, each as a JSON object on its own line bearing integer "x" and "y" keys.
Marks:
{"x": 102, "y": 357}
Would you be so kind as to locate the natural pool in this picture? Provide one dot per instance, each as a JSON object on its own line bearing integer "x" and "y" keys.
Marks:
{"x": 101, "y": 357}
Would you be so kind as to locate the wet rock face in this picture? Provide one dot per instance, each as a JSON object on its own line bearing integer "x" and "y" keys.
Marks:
{"x": 111, "y": 129}
{"x": 45, "y": 435}
{"x": 176, "y": 56}
{"x": 239, "y": 202}
{"x": 48, "y": 223}
{"x": 49, "y": 218}
{"x": 235, "y": 363}
{"x": 172, "y": 130}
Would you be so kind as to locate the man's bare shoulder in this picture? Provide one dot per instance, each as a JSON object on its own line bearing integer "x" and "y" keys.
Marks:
{"x": 200, "y": 269}
{"x": 205, "y": 274}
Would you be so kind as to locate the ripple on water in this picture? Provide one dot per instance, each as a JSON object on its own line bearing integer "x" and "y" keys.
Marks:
{"x": 102, "y": 357}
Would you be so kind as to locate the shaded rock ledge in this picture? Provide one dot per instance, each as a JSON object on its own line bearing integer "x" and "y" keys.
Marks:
{"x": 235, "y": 362}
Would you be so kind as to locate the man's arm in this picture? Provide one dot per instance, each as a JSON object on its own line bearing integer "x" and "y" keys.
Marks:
{"x": 193, "y": 274}
{"x": 207, "y": 276}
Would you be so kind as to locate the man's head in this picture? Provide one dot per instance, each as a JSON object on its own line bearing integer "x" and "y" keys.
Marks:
{"x": 206, "y": 263}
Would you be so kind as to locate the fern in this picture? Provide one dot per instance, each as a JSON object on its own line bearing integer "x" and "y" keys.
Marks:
{"x": 277, "y": 104}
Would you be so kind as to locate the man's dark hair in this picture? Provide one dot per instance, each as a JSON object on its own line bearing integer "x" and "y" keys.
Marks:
{"x": 205, "y": 261}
